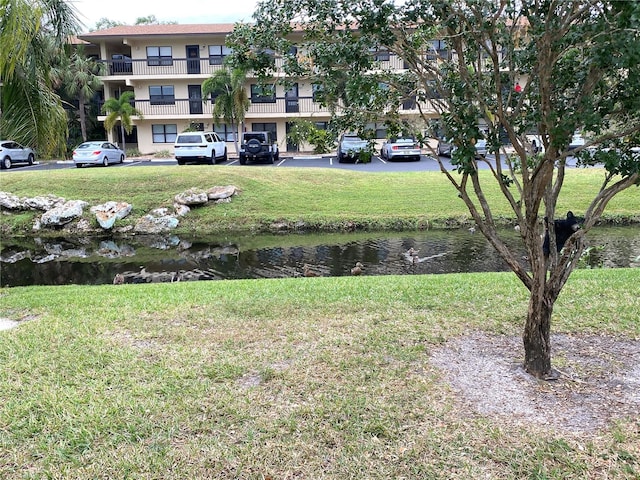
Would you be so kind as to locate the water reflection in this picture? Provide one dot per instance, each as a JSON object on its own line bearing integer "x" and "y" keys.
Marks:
{"x": 170, "y": 258}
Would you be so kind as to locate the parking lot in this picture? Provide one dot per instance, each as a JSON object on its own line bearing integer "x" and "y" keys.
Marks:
{"x": 377, "y": 164}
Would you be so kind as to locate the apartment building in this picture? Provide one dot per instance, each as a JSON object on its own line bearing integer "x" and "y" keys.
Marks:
{"x": 166, "y": 65}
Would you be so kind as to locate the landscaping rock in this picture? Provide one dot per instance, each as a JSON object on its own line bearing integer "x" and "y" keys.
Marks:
{"x": 62, "y": 214}
{"x": 108, "y": 213}
{"x": 193, "y": 196}
{"x": 218, "y": 193}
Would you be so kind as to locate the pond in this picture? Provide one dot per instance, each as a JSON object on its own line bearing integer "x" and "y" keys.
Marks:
{"x": 140, "y": 259}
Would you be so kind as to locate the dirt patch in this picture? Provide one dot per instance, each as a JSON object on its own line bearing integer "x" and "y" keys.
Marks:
{"x": 599, "y": 381}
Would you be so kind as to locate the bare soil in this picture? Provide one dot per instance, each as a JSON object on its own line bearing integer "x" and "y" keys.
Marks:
{"x": 599, "y": 381}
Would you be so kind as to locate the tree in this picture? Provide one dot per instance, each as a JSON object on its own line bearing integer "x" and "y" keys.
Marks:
{"x": 578, "y": 67}
{"x": 79, "y": 77}
{"x": 231, "y": 100}
{"x": 121, "y": 110}
{"x": 35, "y": 32}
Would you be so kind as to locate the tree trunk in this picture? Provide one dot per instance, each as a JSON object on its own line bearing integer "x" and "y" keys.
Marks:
{"x": 83, "y": 119}
{"x": 124, "y": 143}
{"x": 536, "y": 337}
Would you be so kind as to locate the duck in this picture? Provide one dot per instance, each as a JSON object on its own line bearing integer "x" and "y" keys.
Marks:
{"x": 357, "y": 270}
{"x": 307, "y": 272}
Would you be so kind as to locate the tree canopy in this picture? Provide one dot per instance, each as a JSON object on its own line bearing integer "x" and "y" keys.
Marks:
{"x": 35, "y": 32}
{"x": 501, "y": 70}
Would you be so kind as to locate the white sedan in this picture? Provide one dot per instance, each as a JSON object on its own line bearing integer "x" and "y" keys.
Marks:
{"x": 401, "y": 148}
{"x": 97, "y": 153}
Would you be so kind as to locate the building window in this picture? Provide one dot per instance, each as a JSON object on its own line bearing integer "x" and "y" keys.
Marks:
{"x": 266, "y": 127}
{"x": 225, "y": 132}
{"x": 380, "y": 55}
{"x": 217, "y": 53}
{"x": 263, "y": 93}
{"x": 380, "y": 129}
{"x": 438, "y": 49}
{"x": 159, "y": 56}
{"x": 164, "y": 133}
{"x": 162, "y": 95}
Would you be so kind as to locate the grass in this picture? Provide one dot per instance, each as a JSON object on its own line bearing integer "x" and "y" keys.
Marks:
{"x": 323, "y": 199}
{"x": 288, "y": 378}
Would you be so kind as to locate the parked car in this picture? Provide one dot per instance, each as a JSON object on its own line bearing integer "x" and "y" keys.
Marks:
{"x": 12, "y": 152}
{"x": 349, "y": 147}
{"x": 97, "y": 153}
{"x": 576, "y": 141}
{"x": 446, "y": 147}
{"x": 258, "y": 146}
{"x": 200, "y": 146}
{"x": 405, "y": 147}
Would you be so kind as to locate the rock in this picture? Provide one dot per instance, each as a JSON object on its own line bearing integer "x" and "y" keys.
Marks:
{"x": 62, "y": 214}
{"x": 156, "y": 224}
{"x": 9, "y": 201}
{"x": 43, "y": 203}
{"x": 108, "y": 213}
{"x": 180, "y": 209}
{"x": 218, "y": 193}
{"x": 193, "y": 196}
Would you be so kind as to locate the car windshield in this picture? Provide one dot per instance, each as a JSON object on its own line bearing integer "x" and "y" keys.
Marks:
{"x": 256, "y": 136}
{"x": 352, "y": 138}
{"x": 189, "y": 139}
{"x": 89, "y": 145}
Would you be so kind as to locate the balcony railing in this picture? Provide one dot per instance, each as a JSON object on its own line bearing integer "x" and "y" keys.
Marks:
{"x": 283, "y": 106}
{"x": 169, "y": 67}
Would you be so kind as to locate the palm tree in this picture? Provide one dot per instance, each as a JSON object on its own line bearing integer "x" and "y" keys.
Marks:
{"x": 120, "y": 109}
{"x": 35, "y": 32}
{"x": 231, "y": 100}
{"x": 80, "y": 79}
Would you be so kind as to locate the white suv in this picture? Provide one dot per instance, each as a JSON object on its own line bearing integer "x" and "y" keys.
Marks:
{"x": 200, "y": 146}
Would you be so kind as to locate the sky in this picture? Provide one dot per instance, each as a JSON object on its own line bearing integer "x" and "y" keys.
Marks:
{"x": 181, "y": 11}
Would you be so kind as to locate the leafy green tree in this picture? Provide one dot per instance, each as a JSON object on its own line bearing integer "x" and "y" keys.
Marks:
{"x": 577, "y": 65}
{"x": 120, "y": 110}
{"x": 80, "y": 78}
{"x": 35, "y": 33}
{"x": 305, "y": 131}
{"x": 231, "y": 101}
{"x": 105, "y": 23}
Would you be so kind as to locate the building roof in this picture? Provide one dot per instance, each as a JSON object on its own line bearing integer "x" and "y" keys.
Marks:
{"x": 163, "y": 29}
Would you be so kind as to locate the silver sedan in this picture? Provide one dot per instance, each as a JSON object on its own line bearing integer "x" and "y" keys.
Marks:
{"x": 97, "y": 153}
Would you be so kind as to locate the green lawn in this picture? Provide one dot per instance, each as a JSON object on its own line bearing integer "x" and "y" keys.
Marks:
{"x": 299, "y": 378}
{"x": 290, "y": 378}
{"x": 322, "y": 198}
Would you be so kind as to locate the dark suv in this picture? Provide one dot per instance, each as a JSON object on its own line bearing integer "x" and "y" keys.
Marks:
{"x": 258, "y": 146}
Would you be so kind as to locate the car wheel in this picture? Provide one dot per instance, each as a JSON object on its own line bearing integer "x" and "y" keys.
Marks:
{"x": 270, "y": 158}
{"x": 277, "y": 156}
{"x": 121, "y": 158}
{"x": 30, "y": 159}
{"x": 340, "y": 157}
{"x": 212, "y": 158}
{"x": 180, "y": 161}
{"x": 105, "y": 162}
{"x": 6, "y": 163}
{"x": 224, "y": 156}
{"x": 78, "y": 165}
{"x": 243, "y": 160}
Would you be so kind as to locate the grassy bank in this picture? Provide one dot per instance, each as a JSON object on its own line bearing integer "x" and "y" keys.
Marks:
{"x": 321, "y": 198}
{"x": 292, "y": 378}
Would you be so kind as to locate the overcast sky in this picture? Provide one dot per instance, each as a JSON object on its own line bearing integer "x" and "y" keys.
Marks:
{"x": 181, "y": 11}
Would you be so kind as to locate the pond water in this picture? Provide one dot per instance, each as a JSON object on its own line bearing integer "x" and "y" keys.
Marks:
{"x": 87, "y": 261}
